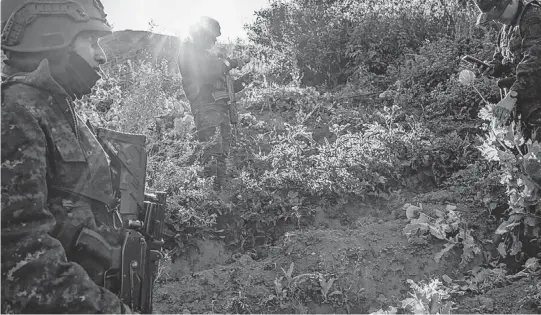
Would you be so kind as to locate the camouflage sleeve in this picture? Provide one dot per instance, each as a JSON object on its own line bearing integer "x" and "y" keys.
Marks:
{"x": 497, "y": 59}
{"x": 528, "y": 69}
{"x": 36, "y": 276}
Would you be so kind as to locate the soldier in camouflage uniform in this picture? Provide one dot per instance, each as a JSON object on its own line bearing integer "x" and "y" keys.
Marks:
{"x": 518, "y": 56}
{"x": 203, "y": 81}
{"x": 56, "y": 177}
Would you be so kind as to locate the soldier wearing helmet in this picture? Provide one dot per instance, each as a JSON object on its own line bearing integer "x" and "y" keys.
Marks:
{"x": 203, "y": 81}
{"x": 56, "y": 178}
{"x": 517, "y": 60}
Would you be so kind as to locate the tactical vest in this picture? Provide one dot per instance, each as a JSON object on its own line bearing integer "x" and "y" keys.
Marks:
{"x": 199, "y": 92}
{"x": 519, "y": 18}
{"x": 84, "y": 199}
{"x": 96, "y": 181}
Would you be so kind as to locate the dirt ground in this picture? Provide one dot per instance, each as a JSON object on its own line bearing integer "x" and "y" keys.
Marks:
{"x": 330, "y": 267}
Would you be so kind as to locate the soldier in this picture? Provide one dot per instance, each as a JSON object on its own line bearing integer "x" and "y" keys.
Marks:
{"x": 56, "y": 177}
{"x": 203, "y": 81}
{"x": 518, "y": 56}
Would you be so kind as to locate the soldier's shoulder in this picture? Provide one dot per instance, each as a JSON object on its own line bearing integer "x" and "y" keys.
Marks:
{"x": 19, "y": 96}
{"x": 530, "y": 21}
{"x": 532, "y": 13}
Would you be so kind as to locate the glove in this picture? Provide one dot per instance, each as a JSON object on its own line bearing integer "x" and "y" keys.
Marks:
{"x": 230, "y": 63}
{"x": 239, "y": 95}
{"x": 246, "y": 78}
{"x": 502, "y": 110}
{"x": 495, "y": 69}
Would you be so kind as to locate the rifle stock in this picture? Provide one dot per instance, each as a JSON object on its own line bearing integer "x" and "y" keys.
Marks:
{"x": 133, "y": 265}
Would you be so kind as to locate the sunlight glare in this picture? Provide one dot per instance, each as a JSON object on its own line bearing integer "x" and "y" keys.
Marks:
{"x": 223, "y": 11}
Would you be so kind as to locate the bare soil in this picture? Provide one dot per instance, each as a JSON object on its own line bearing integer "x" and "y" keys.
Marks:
{"x": 369, "y": 259}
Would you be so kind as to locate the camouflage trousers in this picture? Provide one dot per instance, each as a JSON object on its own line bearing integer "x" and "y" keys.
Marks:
{"x": 214, "y": 133}
{"x": 531, "y": 126}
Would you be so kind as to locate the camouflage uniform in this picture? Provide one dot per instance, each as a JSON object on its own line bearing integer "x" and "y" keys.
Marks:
{"x": 55, "y": 181}
{"x": 519, "y": 53}
{"x": 202, "y": 75}
{"x": 203, "y": 81}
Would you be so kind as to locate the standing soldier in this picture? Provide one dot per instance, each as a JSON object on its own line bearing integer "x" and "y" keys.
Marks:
{"x": 518, "y": 56}
{"x": 56, "y": 178}
{"x": 203, "y": 81}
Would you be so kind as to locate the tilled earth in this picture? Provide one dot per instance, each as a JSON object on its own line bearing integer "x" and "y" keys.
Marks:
{"x": 328, "y": 268}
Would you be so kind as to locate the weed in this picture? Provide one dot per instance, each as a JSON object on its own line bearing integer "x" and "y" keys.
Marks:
{"x": 447, "y": 226}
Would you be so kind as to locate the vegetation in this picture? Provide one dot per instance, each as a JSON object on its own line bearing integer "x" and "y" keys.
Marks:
{"x": 355, "y": 102}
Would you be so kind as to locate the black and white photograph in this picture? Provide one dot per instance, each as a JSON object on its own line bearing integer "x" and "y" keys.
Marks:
{"x": 271, "y": 157}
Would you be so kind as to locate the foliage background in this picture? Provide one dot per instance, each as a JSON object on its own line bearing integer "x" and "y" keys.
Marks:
{"x": 355, "y": 100}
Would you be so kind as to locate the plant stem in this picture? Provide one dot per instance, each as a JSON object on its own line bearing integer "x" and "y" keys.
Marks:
{"x": 476, "y": 90}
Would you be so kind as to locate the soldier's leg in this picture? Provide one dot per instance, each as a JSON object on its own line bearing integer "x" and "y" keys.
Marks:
{"x": 221, "y": 171}
{"x": 214, "y": 130}
{"x": 532, "y": 131}
{"x": 207, "y": 127}
{"x": 532, "y": 126}
{"x": 225, "y": 146}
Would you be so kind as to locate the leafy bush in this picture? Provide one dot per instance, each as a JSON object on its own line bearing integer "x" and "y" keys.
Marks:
{"x": 329, "y": 42}
{"x": 312, "y": 33}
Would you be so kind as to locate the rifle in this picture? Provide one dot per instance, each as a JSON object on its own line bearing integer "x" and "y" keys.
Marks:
{"x": 133, "y": 264}
{"x": 474, "y": 61}
{"x": 233, "y": 114}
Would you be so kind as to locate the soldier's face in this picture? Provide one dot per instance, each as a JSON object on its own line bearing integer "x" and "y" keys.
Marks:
{"x": 86, "y": 45}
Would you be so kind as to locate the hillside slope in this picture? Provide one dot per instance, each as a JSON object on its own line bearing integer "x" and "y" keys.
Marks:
{"x": 135, "y": 45}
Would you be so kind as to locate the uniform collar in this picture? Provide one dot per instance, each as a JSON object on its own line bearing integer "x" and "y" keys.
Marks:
{"x": 40, "y": 78}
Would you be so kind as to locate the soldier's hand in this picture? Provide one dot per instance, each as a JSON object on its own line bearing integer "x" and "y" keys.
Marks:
{"x": 243, "y": 62}
{"x": 246, "y": 78}
{"x": 240, "y": 94}
{"x": 482, "y": 69}
{"x": 492, "y": 69}
{"x": 504, "y": 108}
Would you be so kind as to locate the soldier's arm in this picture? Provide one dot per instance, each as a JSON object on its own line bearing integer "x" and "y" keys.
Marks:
{"x": 241, "y": 82}
{"x": 36, "y": 276}
{"x": 529, "y": 68}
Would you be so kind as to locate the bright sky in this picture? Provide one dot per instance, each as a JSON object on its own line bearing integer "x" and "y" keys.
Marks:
{"x": 173, "y": 17}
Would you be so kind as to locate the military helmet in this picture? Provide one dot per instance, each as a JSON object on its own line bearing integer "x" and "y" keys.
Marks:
{"x": 206, "y": 24}
{"x": 43, "y": 25}
{"x": 490, "y": 9}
